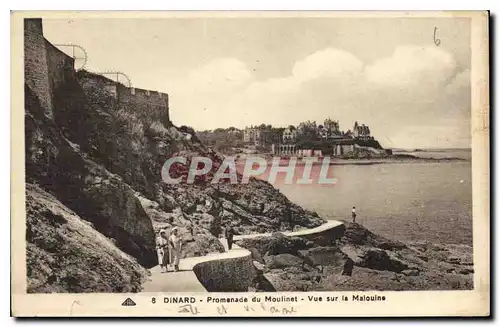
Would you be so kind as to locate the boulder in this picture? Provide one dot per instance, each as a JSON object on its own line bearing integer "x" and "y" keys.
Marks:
{"x": 200, "y": 245}
{"x": 323, "y": 256}
{"x": 259, "y": 267}
{"x": 357, "y": 234}
{"x": 281, "y": 282}
{"x": 256, "y": 255}
{"x": 380, "y": 260}
{"x": 277, "y": 243}
{"x": 282, "y": 261}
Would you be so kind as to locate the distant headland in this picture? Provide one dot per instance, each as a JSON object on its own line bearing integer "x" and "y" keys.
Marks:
{"x": 309, "y": 139}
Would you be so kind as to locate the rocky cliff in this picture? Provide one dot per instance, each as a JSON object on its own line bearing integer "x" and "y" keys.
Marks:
{"x": 65, "y": 253}
{"x": 95, "y": 196}
{"x": 101, "y": 161}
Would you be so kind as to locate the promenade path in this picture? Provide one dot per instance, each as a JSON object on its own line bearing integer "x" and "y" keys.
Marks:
{"x": 185, "y": 279}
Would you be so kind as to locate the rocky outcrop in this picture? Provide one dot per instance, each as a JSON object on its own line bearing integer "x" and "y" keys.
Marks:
{"x": 282, "y": 261}
{"x": 97, "y": 195}
{"x": 323, "y": 256}
{"x": 287, "y": 263}
{"x": 276, "y": 244}
{"x": 66, "y": 254}
{"x": 197, "y": 239}
{"x": 104, "y": 162}
{"x": 356, "y": 234}
{"x": 131, "y": 145}
{"x": 358, "y": 260}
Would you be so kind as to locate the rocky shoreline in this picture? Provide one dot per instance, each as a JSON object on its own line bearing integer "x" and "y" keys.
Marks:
{"x": 359, "y": 261}
{"x": 393, "y": 159}
{"x": 95, "y": 198}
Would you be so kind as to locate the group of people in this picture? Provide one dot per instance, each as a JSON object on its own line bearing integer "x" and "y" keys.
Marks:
{"x": 169, "y": 244}
{"x": 168, "y": 248}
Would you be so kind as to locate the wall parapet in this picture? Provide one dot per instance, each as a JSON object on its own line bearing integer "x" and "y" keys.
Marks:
{"x": 151, "y": 105}
{"x": 231, "y": 271}
{"x": 235, "y": 274}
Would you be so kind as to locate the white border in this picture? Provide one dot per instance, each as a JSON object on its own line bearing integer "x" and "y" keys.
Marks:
{"x": 193, "y": 5}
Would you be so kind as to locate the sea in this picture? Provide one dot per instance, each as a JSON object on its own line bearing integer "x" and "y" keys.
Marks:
{"x": 407, "y": 201}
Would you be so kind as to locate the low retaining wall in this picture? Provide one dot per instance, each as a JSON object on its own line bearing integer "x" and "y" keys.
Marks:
{"x": 236, "y": 273}
{"x": 325, "y": 237}
{"x": 231, "y": 271}
{"x": 226, "y": 275}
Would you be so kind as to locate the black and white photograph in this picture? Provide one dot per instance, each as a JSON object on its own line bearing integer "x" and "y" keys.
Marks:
{"x": 249, "y": 155}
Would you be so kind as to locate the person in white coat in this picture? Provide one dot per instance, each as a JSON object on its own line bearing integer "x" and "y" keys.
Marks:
{"x": 162, "y": 250}
{"x": 175, "y": 243}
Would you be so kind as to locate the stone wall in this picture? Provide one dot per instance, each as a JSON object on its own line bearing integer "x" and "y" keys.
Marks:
{"x": 47, "y": 68}
{"x": 150, "y": 104}
{"x": 226, "y": 275}
{"x": 36, "y": 74}
{"x": 326, "y": 237}
{"x": 61, "y": 67}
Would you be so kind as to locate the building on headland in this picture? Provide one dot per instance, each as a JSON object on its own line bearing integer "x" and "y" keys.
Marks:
{"x": 289, "y": 135}
{"x": 262, "y": 136}
{"x": 47, "y": 69}
{"x": 329, "y": 129}
{"x": 327, "y": 138}
{"x": 251, "y": 135}
{"x": 332, "y": 126}
{"x": 361, "y": 131}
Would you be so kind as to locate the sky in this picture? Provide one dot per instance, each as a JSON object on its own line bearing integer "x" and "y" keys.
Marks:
{"x": 387, "y": 73}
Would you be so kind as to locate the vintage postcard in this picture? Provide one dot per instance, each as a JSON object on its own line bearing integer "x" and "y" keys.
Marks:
{"x": 298, "y": 164}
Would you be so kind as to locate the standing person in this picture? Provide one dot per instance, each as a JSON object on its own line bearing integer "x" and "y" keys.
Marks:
{"x": 162, "y": 251}
{"x": 229, "y": 233}
{"x": 175, "y": 243}
{"x": 353, "y": 214}
{"x": 168, "y": 229}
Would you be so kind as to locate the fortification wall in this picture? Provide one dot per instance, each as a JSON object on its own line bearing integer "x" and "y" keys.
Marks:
{"x": 36, "y": 74}
{"x": 61, "y": 67}
{"x": 151, "y": 104}
{"x": 47, "y": 68}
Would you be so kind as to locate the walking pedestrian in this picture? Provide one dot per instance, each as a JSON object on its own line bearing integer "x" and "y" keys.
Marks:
{"x": 167, "y": 230}
{"x": 229, "y": 233}
{"x": 175, "y": 243}
{"x": 162, "y": 251}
